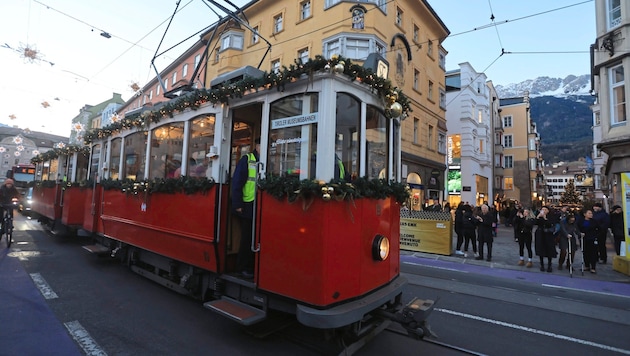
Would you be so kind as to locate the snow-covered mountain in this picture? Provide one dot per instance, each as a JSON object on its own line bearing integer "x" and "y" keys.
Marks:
{"x": 546, "y": 86}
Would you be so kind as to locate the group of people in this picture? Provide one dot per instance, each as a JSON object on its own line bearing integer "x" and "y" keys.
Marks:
{"x": 544, "y": 232}
{"x": 475, "y": 227}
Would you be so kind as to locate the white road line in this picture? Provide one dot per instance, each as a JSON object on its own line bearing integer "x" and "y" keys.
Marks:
{"x": 535, "y": 331}
{"x": 83, "y": 338}
{"x": 585, "y": 290}
{"x": 436, "y": 267}
{"x": 43, "y": 286}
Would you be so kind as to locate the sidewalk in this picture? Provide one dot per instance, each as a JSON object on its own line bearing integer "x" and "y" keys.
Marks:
{"x": 505, "y": 259}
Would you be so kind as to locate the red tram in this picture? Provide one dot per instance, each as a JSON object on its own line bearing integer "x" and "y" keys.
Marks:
{"x": 154, "y": 191}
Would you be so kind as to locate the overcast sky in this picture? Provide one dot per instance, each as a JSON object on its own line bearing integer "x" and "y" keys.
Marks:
{"x": 74, "y": 65}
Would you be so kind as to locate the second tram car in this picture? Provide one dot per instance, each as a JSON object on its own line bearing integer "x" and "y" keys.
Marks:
{"x": 154, "y": 191}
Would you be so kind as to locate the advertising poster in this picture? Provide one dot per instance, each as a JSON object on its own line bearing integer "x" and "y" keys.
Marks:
{"x": 431, "y": 236}
{"x": 625, "y": 193}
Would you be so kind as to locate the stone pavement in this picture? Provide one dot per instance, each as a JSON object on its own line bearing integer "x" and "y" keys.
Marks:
{"x": 505, "y": 256}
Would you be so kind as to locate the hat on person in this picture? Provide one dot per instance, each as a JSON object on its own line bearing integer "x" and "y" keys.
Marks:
{"x": 8, "y": 181}
{"x": 615, "y": 207}
{"x": 212, "y": 152}
{"x": 597, "y": 205}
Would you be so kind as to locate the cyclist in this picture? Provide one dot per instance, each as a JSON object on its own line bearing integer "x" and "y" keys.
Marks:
{"x": 8, "y": 193}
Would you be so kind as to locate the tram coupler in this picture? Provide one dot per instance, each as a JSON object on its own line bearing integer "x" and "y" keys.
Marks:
{"x": 413, "y": 317}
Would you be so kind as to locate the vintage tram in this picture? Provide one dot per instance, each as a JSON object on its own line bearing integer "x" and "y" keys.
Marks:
{"x": 153, "y": 190}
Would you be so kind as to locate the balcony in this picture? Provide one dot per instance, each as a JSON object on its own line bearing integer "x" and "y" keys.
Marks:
{"x": 498, "y": 149}
{"x": 498, "y": 170}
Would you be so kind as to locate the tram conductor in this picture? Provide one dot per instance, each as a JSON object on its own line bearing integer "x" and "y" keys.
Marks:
{"x": 243, "y": 192}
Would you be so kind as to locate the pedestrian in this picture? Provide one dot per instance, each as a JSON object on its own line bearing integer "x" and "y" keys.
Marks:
{"x": 590, "y": 231}
{"x": 545, "y": 241}
{"x": 513, "y": 219}
{"x": 243, "y": 194}
{"x": 469, "y": 229}
{"x": 569, "y": 232}
{"x": 459, "y": 216}
{"x": 616, "y": 226}
{"x": 8, "y": 192}
{"x": 524, "y": 222}
{"x": 484, "y": 231}
{"x": 603, "y": 222}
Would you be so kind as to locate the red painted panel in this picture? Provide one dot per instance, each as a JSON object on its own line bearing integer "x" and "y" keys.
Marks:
{"x": 46, "y": 201}
{"x": 91, "y": 214}
{"x": 73, "y": 208}
{"x": 178, "y": 226}
{"x": 320, "y": 253}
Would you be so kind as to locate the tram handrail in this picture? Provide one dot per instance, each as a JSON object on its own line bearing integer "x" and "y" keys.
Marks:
{"x": 217, "y": 233}
{"x": 256, "y": 247}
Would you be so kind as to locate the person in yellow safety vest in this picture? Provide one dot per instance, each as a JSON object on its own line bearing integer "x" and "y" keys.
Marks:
{"x": 243, "y": 191}
{"x": 340, "y": 171}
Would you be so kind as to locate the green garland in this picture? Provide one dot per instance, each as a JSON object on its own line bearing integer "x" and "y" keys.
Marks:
{"x": 293, "y": 188}
{"x": 221, "y": 95}
{"x": 60, "y": 151}
{"x": 184, "y": 184}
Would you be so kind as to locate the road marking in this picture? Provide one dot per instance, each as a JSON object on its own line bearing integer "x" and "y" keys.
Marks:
{"x": 586, "y": 290}
{"x": 43, "y": 286}
{"x": 436, "y": 267}
{"x": 535, "y": 331}
{"x": 83, "y": 338}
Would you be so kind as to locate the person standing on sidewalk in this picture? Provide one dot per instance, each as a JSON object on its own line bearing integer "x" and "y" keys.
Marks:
{"x": 545, "y": 241}
{"x": 569, "y": 232}
{"x": 590, "y": 230}
{"x": 616, "y": 226}
{"x": 459, "y": 231}
{"x": 524, "y": 222}
{"x": 485, "y": 221}
{"x": 469, "y": 229}
{"x": 603, "y": 222}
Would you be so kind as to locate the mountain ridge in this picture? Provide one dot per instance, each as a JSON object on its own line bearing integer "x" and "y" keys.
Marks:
{"x": 560, "y": 107}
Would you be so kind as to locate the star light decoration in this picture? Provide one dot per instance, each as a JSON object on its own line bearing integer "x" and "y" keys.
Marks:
{"x": 30, "y": 54}
{"x": 12, "y": 117}
{"x": 59, "y": 145}
{"x": 2, "y": 149}
{"x": 45, "y": 104}
{"x": 18, "y": 140}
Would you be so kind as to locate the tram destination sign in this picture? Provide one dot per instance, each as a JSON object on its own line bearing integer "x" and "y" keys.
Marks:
{"x": 291, "y": 121}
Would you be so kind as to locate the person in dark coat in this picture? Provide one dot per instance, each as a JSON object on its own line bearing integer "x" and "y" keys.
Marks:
{"x": 524, "y": 222}
{"x": 459, "y": 215}
{"x": 603, "y": 222}
{"x": 469, "y": 229}
{"x": 568, "y": 235}
{"x": 484, "y": 229}
{"x": 590, "y": 230}
{"x": 616, "y": 226}
{"x": 545, "y": 241}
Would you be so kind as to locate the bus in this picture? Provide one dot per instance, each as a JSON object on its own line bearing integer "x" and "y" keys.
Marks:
{"x": 22, "y": 175}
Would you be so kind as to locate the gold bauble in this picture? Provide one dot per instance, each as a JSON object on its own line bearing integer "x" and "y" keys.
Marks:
{"x": 331, "y": 190}
{"x": 324, "y": 190}
{"x": 326, "y": 197}
{"x": 339, "y": 68}
{"x": 396, "y": 109}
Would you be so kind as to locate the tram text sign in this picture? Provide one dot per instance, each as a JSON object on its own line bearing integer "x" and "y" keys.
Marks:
{"x": 294, "y": 121}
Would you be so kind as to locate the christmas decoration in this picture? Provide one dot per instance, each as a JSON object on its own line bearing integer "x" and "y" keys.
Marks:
{"x": 12, "y": 117}
{"x": 570, "y": 195}
{"x": 222, "y": 94}
{"x": 45, "y": 104}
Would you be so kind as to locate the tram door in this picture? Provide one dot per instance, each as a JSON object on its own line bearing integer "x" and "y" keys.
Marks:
{"x": 246, "y": 130}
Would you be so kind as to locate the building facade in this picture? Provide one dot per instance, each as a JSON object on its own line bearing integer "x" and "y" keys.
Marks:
{"x": 611, "y": 60}
{"x": 522, "y": 161}
{"x": 470, "y": 136}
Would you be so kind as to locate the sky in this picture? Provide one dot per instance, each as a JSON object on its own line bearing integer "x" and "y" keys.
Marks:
{"x": 73, "y": 64}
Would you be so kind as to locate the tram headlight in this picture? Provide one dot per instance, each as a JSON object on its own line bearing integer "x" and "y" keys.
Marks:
{"x": 380, "y": 248}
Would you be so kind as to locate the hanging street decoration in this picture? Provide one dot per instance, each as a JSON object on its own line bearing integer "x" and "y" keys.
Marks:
{"x": 29, "y": 53}
{"x": 12, "y": 117}
{"x": 45, "y": 104}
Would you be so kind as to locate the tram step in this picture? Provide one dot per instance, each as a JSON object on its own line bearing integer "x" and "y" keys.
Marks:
{"x": 235, "y": 310}
{"x": 97, "y": 249}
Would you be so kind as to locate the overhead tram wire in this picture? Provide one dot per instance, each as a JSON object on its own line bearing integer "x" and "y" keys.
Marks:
{"x": 495, "y": 25}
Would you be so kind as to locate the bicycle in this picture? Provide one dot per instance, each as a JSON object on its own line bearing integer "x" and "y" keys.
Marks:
{"x": 7, "y": 221}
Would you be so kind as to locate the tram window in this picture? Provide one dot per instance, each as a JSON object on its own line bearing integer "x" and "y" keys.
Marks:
{"x": 293, "y": 136}
{"x": 96, "y": 155}
{"x": 166, "y": 151}
{"x": 377, "y": 147}
{"x": 201, "y": 139}
{"x": 52, "y": 169}
{"x": 346, "y": 134}
{"x": 82, "y": 167}
{"x": 135, "y": 148}
{"x": 114, "y": 159}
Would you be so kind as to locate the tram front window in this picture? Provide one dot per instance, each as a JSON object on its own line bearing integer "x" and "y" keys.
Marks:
{"x": 293, "y": 137}
{"x": 377, "y": 147}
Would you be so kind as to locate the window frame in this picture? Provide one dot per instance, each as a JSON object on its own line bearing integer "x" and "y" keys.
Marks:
{"x": 613, "y": 20}
{"x": 507, "y": 138}
{"x": 615, "y": 87}
{"x": 507, "y": 121}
